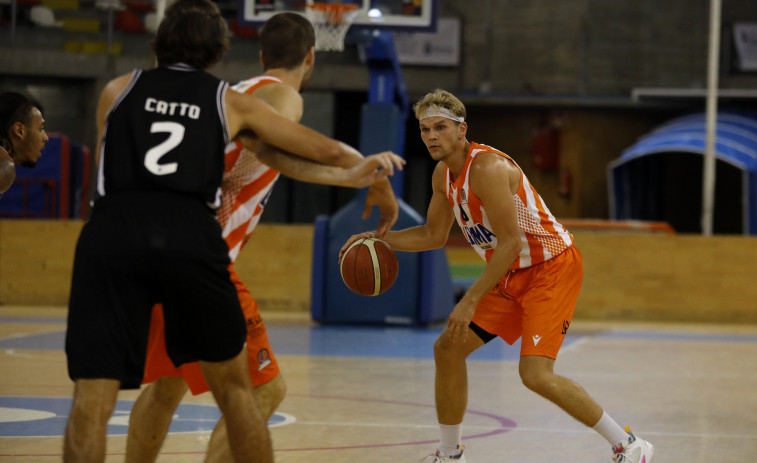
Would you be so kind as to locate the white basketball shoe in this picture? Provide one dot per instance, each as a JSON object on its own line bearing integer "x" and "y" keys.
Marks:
{"x": 439, "y": 457}
{"x": 634, "y": 450}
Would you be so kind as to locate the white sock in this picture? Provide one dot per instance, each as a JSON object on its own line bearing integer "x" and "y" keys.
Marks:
{"x": 610, "y": 430}
{"x": 451, "y": 435}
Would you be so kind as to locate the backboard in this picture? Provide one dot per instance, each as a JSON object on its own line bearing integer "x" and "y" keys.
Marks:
{"x": 403, "y": 15}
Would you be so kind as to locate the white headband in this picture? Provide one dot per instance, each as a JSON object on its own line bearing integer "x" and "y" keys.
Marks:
{"x": 438, "y": 111}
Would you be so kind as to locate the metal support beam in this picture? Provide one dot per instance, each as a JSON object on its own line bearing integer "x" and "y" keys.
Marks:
{"x": 708, "y": 177}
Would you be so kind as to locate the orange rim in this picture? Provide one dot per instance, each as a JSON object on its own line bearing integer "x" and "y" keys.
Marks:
{"x": 333, "y": 7}
{"x": 334, "y": 11}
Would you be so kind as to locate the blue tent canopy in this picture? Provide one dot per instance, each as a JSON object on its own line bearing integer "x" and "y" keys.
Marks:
{"x": 736, "y": 145}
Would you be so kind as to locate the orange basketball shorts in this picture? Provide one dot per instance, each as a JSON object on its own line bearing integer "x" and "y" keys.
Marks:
{"x": 535, "y": 303}
{"x": 262, "y": 362}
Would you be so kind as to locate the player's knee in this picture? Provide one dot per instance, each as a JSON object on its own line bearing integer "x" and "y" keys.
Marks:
{"x": 440, "y": 347}
{"x": 530, "y": 380}
{"x": 94, "y": 401}
{"x": 227, "y": 375}
{"x": 87, "y": 415}
{"x": 168, "y": 391}
{"x": 277, "y": 390}
{"x": 535, "y": 379}
{"x": 281, "y": 388}
{"x": 445, "y": 349}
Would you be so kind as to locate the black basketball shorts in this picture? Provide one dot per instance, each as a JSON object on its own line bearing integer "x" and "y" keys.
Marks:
{"x": 134, "y": 254}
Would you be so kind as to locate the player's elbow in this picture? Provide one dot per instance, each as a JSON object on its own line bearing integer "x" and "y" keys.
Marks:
{"x": 437, "y": 240}
{"x": 337, "y": 153}
{"x": 510, "y": 243}
{"x": 333, "y": 155}
{"x": 5, "y": 184}
{"x": 7, "y": 176}
{"x": 323, "y": 151}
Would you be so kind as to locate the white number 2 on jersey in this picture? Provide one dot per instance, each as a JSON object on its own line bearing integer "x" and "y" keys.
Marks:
{"x": 176, "y": 135}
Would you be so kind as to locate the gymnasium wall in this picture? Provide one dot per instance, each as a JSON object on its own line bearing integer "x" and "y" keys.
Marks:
{"x": 591, "y": 47}
{"x": 587, "y": 140}
{"x": 525, "y": 65}
{"x": 540, "y": 51}
{"x": 683, "y": 278}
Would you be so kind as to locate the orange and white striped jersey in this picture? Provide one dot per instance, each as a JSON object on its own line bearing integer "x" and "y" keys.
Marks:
{"x": 247, "y": 184}
{"x": 542, "y": 236}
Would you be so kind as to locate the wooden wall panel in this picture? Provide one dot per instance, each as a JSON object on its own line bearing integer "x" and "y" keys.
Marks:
{"x": 36, "y": 258}
{"x": 686, "y": 278}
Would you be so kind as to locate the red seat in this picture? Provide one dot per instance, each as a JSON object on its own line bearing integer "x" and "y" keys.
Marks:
{"x": 139, "y": 6}
{"x": 242, "y": 31}
{"x": 128, "y": 21}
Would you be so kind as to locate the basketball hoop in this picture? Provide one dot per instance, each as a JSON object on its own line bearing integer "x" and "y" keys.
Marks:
{"x": 330, "y": 22}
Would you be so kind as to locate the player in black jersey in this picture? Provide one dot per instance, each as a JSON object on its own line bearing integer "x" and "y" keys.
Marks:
{"x": 153, "y": 238}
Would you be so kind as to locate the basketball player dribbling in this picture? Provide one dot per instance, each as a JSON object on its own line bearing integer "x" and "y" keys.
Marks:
{"x": 287, "y": 55}
{"x": 528, "y": 288}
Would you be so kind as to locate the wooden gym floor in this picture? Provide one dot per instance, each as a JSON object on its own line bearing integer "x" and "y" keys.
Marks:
{"x": 365, "y": 394}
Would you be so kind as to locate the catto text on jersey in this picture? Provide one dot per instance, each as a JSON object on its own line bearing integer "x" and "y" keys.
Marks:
{"x": 171, "y": 108}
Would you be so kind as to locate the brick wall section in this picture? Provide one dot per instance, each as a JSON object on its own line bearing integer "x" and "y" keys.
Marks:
{"x": 589, "y": 47}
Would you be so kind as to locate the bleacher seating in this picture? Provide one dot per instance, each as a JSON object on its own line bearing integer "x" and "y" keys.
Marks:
{"x": 139, "y": 6}
{"x": 44, "y": 16}
{"x": 242, "y": 31}
{"x": 150, "y": 21}
{"x": 129, "y": 21}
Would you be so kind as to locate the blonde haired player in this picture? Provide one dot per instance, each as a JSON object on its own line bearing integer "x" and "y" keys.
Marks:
{"x": 528, "y": 288}
{"x": 288, "y": 56}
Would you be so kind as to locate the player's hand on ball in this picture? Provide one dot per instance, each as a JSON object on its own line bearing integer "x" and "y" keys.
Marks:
{"x": 352, "y": 239}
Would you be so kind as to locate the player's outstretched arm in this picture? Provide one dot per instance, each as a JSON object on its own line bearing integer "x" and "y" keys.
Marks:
{"x": 366, "y": 172}
{"x": 247, "y": 112}
{"x": 380, "y": 193}
{"x": 431, "y": 235}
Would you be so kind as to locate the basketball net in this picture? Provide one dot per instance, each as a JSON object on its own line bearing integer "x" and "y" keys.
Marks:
{"x": 331, "y": 22}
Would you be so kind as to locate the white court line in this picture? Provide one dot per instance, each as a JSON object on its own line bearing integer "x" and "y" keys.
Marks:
{"x": 28, "y": 335}
{"x": 577, "y": 343}
{"x": 15, "y": 335}
{"x": 525, "y": 429}
{"x": 23, "y": 353}
{"x": 643, "y": 433}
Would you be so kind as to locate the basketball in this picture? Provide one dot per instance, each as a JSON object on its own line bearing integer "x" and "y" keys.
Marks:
{"x": 369, "y": 267}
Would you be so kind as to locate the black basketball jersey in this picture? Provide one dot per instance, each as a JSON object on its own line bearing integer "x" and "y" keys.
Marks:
{"x": 167, "y": 131}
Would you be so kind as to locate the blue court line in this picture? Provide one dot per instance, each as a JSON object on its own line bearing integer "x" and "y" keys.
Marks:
{"x": 384, "y": 341}
{"x": 374, "y": 341}
{"x": 54, "y": 340}
{"x": 325, "y": 341}
{"x": 47, "y": 416}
